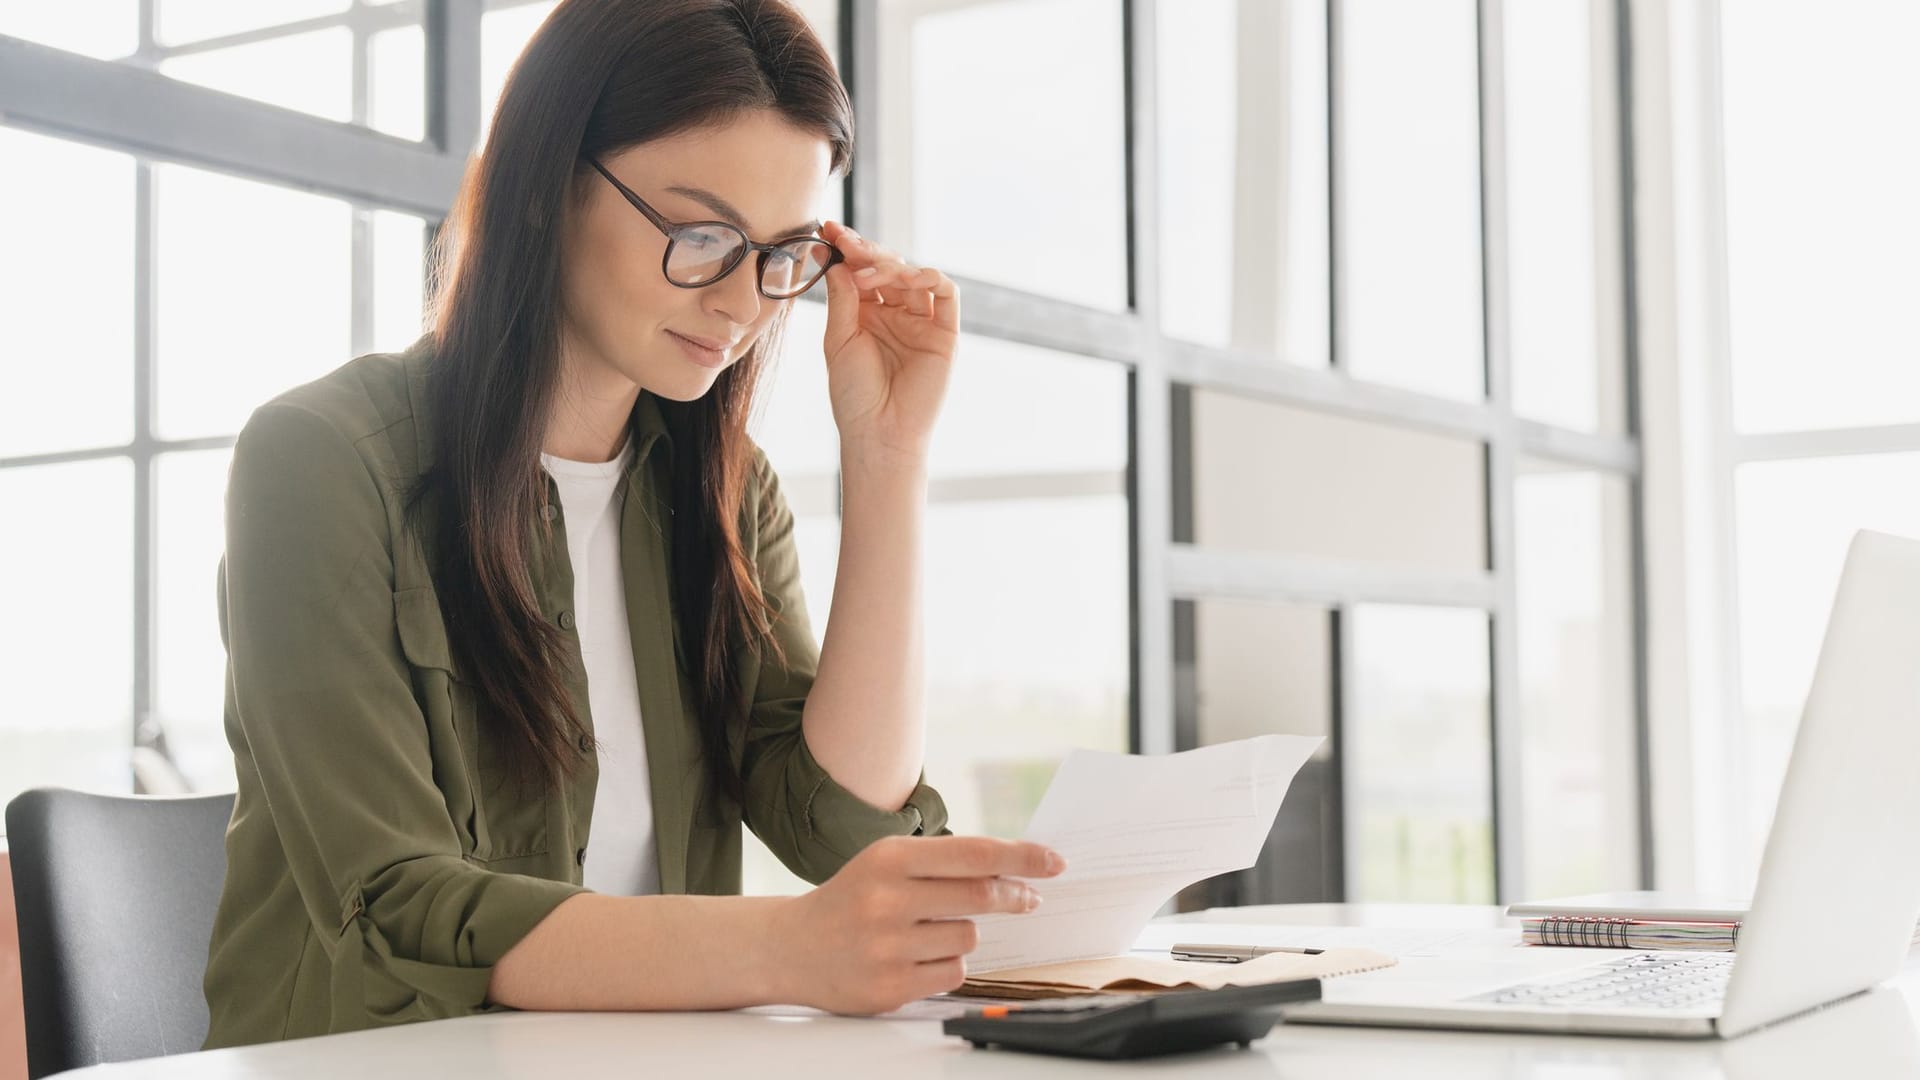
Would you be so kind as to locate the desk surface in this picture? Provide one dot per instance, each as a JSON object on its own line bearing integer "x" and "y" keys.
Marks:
{"x": 1867, "y": 1038}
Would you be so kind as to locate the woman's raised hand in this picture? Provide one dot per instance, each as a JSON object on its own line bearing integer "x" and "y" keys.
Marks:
{"x": 891, "y": 926}
{"x": 892, "y": 329}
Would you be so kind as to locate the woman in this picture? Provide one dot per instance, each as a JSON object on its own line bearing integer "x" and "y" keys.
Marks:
{"x": 515, "y": 633}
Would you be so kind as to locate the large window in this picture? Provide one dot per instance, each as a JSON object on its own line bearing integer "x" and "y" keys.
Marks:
{"x": 1289, "y": 396}
{"x": 1392, "y": 305}
{"x": 1045, "y": 210}
{"x": 1243, "y": 177}
{"x": 1410, "y": 274}
{"x": 138, "y": 331}
{"x": 1821, "y": 377}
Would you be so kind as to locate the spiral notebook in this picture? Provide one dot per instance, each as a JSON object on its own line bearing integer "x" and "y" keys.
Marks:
{"x": 1644, "y": 919}
{"x": 1606, "y": 933}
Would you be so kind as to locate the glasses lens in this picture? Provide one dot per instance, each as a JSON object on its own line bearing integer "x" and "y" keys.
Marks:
{"x": 701, "y": 254}
{"x": 792, "y": 268}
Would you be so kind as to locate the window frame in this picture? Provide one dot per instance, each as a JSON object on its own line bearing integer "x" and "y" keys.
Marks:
{"x": 124, "y": 106}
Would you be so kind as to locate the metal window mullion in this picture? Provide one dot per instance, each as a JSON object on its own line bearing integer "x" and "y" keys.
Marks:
{"x": 125, "y": 108}
{"x": 105, "y": 453}
{"x": 146, "y": 51}
{"x": 860, "y": 66}
{"x": 1600, "y": 453}
{"x": 1617, "y": 42}
{"x": 842, "y": 47}
{"x": 1338, "y": 390}
{"x": 360, "y": 256}
{"x": 1017, "y": 315}
{"x": 1346, "y": 681}
{"x": 1258, "y": 376}
{"x": 145, "y": 626}
{"x": 361, "y": 287}
{"x": 1196, "y": 572}
{"x": 815, "y": 493}
{"x": 1252, "y": 375}
{"x": 1011, "y": 487}
{"x": 1736, "y": 743}
{"x": 362, "y": 92}
{"x": 452, "y": 32}
{"x": 361, "y": 20}
{"x": 1151, "y": 495}
{"x": 1504, "y": 716}
{"x": 1833, "y": 442}
{"x": 1336, "y": 178}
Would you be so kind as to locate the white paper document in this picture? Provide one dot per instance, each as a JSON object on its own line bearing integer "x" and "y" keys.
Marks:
{"x": 1134, "y": 830}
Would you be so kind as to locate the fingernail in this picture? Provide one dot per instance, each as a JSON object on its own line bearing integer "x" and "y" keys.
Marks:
{"x": 1033, "y": 900}
{"x": 1055, "y": 863}
{"x": 866, "y": 270}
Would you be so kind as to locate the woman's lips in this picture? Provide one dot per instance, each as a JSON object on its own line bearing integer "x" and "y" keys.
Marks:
{"x": 704, "y": 355}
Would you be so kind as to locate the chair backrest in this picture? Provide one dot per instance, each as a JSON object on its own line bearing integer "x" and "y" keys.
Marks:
{"x": 115, "y": 897}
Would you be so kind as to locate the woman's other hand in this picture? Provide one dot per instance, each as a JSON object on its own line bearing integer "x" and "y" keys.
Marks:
{"x": 891, "y": 927}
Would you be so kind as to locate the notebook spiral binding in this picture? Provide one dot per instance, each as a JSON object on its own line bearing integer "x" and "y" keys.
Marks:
{"x": 1597, "y": 931}
{"x": 1584, "y": 930}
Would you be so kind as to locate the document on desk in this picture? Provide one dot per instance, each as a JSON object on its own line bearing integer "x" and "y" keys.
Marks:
{"x": 1135, "y": 829}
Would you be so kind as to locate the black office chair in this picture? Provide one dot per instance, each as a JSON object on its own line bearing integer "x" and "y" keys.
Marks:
{"x": 115, "y": 896}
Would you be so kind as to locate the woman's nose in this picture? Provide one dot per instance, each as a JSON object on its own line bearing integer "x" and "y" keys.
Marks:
{"x": 737, "y": 296}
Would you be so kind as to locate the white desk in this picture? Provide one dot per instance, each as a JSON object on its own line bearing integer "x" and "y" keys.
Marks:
{"x": 1865, "y": 1039}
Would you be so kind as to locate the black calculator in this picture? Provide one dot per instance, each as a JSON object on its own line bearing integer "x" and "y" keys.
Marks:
{"x": 1107, "y": 1026}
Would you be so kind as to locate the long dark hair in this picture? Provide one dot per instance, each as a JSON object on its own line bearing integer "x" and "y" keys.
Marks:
{"x": 598, "y": 77}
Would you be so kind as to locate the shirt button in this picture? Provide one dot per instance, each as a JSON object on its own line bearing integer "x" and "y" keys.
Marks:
{"x": 566, "y": 620}
{"x": 580, "y": 857}
{"x": 586, "y": 743}
{"x": 549, "y": 512}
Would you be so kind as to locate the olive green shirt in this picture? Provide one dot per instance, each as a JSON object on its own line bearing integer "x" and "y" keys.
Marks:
{"x": 377, "y": 864}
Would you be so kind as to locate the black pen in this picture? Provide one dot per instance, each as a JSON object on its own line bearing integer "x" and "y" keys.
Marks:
{"x": 1233, "y": 954}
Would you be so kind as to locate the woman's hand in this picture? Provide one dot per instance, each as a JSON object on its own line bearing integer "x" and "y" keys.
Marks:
{"x": 891, "y": 333}
{"x": 890, "y": 927}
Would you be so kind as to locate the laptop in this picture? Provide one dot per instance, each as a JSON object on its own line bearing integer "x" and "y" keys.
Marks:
{"x": 1839, "y": 888}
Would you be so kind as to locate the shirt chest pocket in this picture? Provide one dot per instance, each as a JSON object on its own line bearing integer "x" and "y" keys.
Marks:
{"x": 495, "y": 818}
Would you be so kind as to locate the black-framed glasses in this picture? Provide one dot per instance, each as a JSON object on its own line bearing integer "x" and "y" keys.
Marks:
{"x": 700, "y": 253}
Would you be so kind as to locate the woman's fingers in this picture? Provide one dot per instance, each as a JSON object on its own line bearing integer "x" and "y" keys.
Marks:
{"x": 872, "y": 282}
{"x": 893, "y": 923}
{"x": 973, "y": 857}
{"x": 938, "y": 976}
{"x": 955, "y": 897}
{"x": 920, "y": 290}
{"x": 896, "y": 275}
{"x": 938, "y": 939}
{"x": 943, "y": 299}
{"x": 882, "y": 276}
{"x": 946, "y": 304}
{"x": 843, "y": 301}
{"x": 920, "y": 293}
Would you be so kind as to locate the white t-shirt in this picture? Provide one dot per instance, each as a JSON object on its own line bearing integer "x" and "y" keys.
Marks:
{"x": 621, "y": 857}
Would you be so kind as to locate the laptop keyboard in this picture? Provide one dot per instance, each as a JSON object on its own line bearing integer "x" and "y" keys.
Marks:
{"x": 1644, "y": 981}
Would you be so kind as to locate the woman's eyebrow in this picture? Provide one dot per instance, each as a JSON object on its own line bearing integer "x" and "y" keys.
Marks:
{"x": 725, "y": 209}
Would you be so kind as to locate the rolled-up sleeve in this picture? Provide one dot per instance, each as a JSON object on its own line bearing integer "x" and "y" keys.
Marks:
{"x": 804, "y": 816}
{"x": 324, "y": 698}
